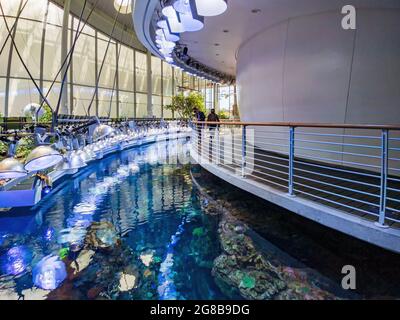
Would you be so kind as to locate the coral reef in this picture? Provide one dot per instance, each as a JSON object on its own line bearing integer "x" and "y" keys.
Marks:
{"x": 243, "y": 269}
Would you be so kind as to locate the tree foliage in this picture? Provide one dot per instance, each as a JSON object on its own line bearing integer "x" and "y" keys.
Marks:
{"x": 47, "y": 116}
{"x": 183, "y": 106}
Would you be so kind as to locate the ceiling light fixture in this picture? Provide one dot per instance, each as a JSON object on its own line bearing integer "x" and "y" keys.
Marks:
{"x": 187, "y": 13}
{"x": 42, "y": 158}
{"x": 102, "y": 131}
{"x": 11, "y": 168}
{"x": 174, "y": 23}
{"x": 210, "y": 8}
{"x": 123, "y": 6}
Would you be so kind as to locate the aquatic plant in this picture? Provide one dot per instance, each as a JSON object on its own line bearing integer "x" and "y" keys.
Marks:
{"x": 63, "y": 253}
{"x": 248, "y": 282}
{"x": 198, "y": 232}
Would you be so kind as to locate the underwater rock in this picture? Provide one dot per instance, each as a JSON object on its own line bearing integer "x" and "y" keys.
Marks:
{"x": 49, "y": 273}
{"x": 243, "y": 269}
{"x": 241, "y": 265}
{"x": 147, "y": 273}
{"x": 7, "y": 291}
{"x": 252, "y": 284}
{"x": 147, "y": 257}
{"x": 127, "y": 282}
{"x": 101, "y": 235}
{"x": 35, "y": 294}
{"x": 83, "y": 261}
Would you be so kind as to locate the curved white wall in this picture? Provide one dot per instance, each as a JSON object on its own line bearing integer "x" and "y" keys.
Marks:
{"x": 308, "y": 69}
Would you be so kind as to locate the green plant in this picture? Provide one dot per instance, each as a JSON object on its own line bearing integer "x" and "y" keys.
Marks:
{"x": 183, "y": 106}
{"x": 248, "y": 282}
{"x": 198, "y": 232}
{"x": 223, "y": 115}
{"x": 47, "y": 115}
{"x": 24, "y": 147}
{"x": 195, "y": 100}
{"x": 3, "y": 149}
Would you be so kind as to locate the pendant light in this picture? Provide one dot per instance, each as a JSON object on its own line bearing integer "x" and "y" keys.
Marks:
{"x": 210, "y": 8}
{"x": 174, "y": 23}
{"x": 188, "y": 15}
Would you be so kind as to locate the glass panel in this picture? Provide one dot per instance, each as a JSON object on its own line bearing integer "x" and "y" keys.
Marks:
{"x": 52, "y": 53}
{"x": 54, "y": 93}
{"x": 11, "y": 7}
{"x": 84, "y": 64}
{"x": 157, "y": 106}
{"x": 2, "y": 96}
{"x": 126, "y": 104}
{"x": 34, "y": 9}
{"x": 167, "y": 113}
{"x": 6, "y": 51}
{"x": 21, "y": 93}
{"x": 28, "y": 40}
{"x": 55, "y": 15}
{"x": 178, "y": 80}
{"x": 167, "y": 80}
{"x": 156, "y": 75}
{"x": 141, "y": 104}
{"x": 141, "y": 72}
{"x": 108, "y": 73}
{"x": 81, "y": 100}
{"x": 107, "y": 103}
{"x": 126, "y": 68}
{"x": 86, "y": 29}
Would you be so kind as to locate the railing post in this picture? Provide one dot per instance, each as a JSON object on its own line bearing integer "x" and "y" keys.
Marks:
{"x": 291, "y": 161}
{"x": 218, "y": 146}
{"x": 244, "y": 151}
{"x": 384, "y": 175}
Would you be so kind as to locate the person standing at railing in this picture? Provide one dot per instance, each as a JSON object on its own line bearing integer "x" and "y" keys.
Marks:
{"x": 201, "y": 117}
{"x": 212, "y": 117}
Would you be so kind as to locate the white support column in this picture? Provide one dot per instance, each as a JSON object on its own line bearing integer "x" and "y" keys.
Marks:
{"x": 149, "y": 87}
{"x": 64, "y": 52}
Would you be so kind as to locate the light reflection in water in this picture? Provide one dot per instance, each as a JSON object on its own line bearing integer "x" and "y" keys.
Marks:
{"x": 142, "y": 198}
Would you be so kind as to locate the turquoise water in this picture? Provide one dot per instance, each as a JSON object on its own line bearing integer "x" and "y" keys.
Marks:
{"x": 152, "y": 223}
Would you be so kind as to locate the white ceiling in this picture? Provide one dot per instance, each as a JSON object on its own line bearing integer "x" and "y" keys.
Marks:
{"x": 242, "y": 24}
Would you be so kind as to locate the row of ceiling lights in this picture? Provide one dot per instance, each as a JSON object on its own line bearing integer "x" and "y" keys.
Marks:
{"x": 181, "y": 16}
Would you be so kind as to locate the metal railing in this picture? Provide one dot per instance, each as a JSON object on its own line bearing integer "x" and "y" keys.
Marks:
{"x": 352, "y": 168}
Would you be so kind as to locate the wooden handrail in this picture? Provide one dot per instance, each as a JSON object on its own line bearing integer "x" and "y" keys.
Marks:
{"x": 303, "y": 125}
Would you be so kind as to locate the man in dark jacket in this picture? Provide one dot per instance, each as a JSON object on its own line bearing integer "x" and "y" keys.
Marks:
{"x": 199, "y": 116}
{"x": 212, "y": 117}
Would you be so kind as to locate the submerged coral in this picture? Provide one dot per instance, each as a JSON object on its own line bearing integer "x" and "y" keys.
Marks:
{"x": 101, "y": 235}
